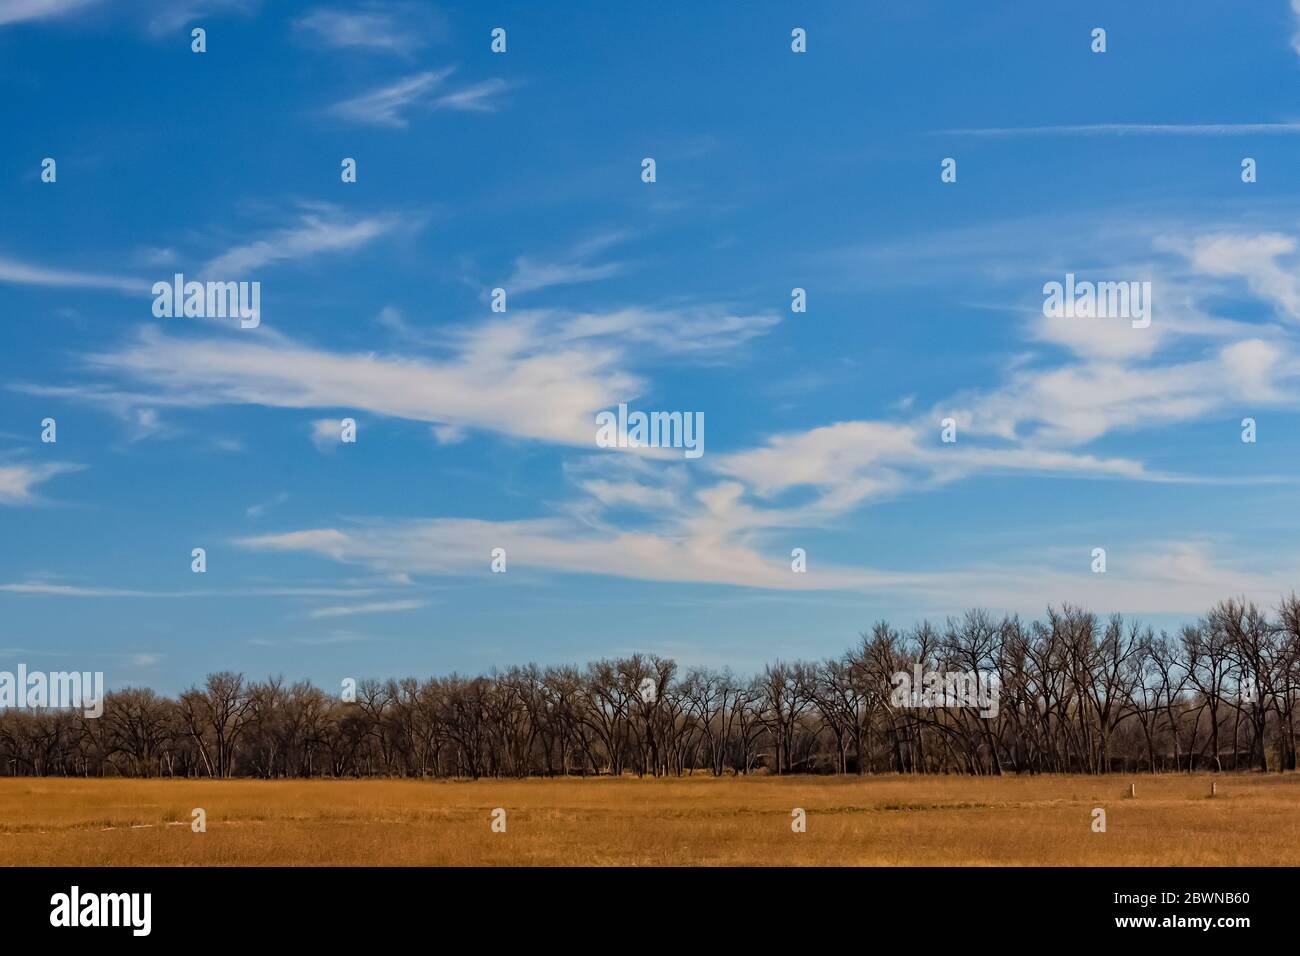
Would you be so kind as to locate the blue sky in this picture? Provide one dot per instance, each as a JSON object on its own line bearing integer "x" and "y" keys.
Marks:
{"x": 476, "y": 429}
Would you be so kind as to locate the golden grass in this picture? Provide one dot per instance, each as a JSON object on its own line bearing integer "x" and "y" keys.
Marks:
{"x": 874, "y": 821}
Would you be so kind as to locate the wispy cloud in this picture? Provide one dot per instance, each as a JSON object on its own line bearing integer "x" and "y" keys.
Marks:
{"x": 262, "y": 507}
{"x": 1161, "y": 577}
{"x": 554, "y": 545}
{"x": 48, "y": 589}
{"x": 388, "y": 105}
{"x": 540, "y": 390}
{"x": 575, "y": 266}
{"x": 376, "y": 607}
{"x": 314, "y": 234}
{"x": 1128, "y": 129}
{"x": 165, "y": 16}
{"x": 19, "y": 11}
{"x": 336, "y": 637}
{"x": 478, "y": 98}
{"x": 318, "y": 230}
{"x": 550, "y": 372}
{"x": 22, "y": 273}
{"x": 384, "y": 106}
{"x": 1253, "y": 257}
{"x": 706, "y": 332}
{"x": 17, "y": 481}
{"x": 158, "y": 17}
{"x": 379, "y": 27}
{"x": 40, "y": 587}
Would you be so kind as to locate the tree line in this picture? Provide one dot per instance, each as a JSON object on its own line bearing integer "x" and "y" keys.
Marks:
{"x": 1077, "y": 693}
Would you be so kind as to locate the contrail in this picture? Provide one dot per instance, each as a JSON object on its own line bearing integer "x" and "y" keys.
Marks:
{"x": 1127, "y": 129}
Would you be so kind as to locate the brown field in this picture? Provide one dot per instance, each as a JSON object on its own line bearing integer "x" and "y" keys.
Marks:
{"x": 874, "y": 821}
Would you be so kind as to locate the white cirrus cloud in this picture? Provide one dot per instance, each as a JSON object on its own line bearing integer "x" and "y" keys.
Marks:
{"x": 18, "y": 481}
{"x": 41, "y": 588}
{"x": 1164, "y": 577}
{"x": 389, "y": 105}
{"x": 574, "y": 266}
{"x": 539, "y": 375}
{"x": 373, "y": 607}
{"x": 1129, "y": 129}
{"x": 1254, "y": 258}
{"x": 445, "y": 546}
{"x": 314, "y": 234}
{"x": 20, "y": 11}
{"x": 164, "y": 16}
{"x": 551, "y": 394}
{"x": 398, "y": 28}
{"x": 477, "y": 98}
{"x": 22, "y": 273}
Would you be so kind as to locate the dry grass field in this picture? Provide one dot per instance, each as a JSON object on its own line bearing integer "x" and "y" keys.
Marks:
{"x": 876, "y": 821}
